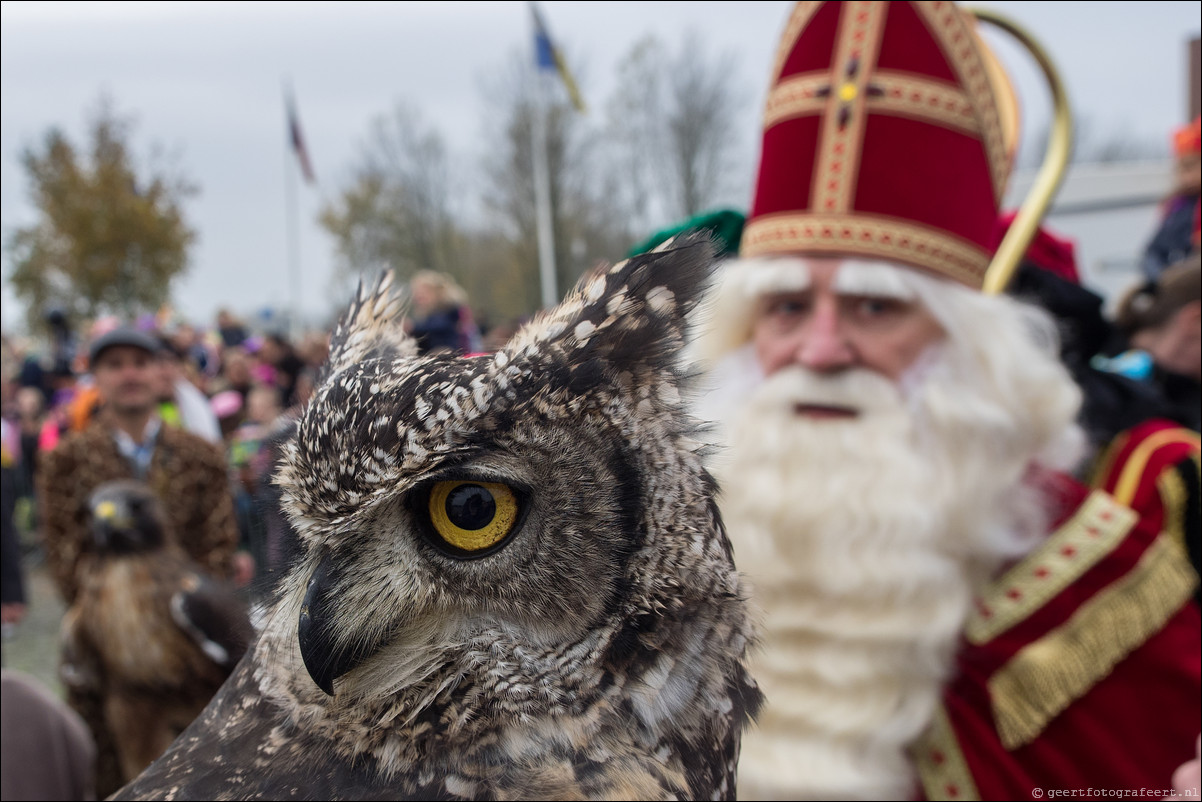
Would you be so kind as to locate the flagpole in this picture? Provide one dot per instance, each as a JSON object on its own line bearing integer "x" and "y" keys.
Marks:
{"x": 293, "y": 228}
{"x": 542, "y": 194}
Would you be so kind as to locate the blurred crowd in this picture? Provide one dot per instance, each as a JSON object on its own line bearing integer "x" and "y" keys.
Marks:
{"x": 224, "y": 382}
{"x": 234, "y": 384}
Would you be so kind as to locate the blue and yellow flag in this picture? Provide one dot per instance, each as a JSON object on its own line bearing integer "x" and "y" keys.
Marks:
{"x": 548, "y": 57}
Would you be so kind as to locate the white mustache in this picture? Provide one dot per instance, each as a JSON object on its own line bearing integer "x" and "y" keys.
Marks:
{"x": 860, "y": 390}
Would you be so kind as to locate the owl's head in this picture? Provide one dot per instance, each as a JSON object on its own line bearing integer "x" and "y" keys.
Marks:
{"x": 522, "y": 526}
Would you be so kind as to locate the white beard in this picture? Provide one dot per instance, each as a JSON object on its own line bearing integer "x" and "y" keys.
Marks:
{"x": 863, "y": 540}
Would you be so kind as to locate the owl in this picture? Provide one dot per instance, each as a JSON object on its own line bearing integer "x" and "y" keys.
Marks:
{"x": 513, "y": 582}
{"x": 150, "y": 637}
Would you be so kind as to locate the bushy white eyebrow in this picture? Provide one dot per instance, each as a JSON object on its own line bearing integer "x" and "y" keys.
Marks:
{"x": 772, "y": 276}
{"x": 872, "y": 280}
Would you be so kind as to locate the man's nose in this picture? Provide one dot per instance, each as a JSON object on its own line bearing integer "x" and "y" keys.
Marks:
{"x": 823, "y": 345}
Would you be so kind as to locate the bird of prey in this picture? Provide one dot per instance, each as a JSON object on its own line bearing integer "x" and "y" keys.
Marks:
{"x": 150, "y": 636}
{"x": 513, "y": 581}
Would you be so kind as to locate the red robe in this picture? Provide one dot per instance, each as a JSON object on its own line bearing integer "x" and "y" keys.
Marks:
{"x": 1081, "y": 667}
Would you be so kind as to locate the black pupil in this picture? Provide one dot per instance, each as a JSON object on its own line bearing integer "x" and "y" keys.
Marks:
{"x": 471, "y": 507}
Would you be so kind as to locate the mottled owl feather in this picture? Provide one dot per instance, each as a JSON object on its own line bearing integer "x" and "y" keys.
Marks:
{"x": 513, "y": 580}
{"x": 370, "y": 328}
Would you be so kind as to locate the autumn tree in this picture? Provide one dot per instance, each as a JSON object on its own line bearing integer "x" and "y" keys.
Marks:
{"x": 110, "y": 237}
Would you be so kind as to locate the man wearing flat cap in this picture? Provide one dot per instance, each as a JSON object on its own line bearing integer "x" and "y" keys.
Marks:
{"x": 947, "y": 613}
{"x": 127, "y": 440}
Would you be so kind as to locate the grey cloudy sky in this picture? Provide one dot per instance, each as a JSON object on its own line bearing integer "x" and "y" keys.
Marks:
{"x": 203, "y": 80}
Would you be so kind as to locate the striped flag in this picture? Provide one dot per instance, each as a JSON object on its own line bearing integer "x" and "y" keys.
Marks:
{"x": 298, "y": 140}
{"x": 548, "y": 57}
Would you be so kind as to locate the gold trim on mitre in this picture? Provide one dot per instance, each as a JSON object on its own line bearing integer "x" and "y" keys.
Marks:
{"x": 930, "y": 101}
{"x": 837, "y": 162}
{"x": 801, "y": 95}
{"x": 983, "y": 105}
{"x": 896, "y": 94}
{"x": 887, "y": 238}
{"x": 984, "y": 81}
{"x": 1048, "y": 675}
{"x": 798, "y": 20}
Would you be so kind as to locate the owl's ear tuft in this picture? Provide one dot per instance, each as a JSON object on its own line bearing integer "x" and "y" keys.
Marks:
{"x": 370, "y": 327}
{"x": 633, "y": 313}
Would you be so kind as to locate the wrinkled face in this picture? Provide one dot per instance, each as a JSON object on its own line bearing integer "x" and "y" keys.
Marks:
{"x": 127, "y": 379}
{"x": 844, "y": 316}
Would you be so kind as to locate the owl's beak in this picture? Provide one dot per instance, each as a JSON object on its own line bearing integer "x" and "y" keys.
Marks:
{"x": 326, "y": 656}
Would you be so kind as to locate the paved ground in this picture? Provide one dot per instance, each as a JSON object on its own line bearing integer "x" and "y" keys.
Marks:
{"x": 32, "y": 645}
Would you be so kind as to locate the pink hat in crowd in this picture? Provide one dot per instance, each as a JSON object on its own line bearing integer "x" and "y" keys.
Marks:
{"x": 226, "y": 403}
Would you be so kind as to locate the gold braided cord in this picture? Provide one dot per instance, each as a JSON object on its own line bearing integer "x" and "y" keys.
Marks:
{"x": 1104, "y": 462}
{"x": 1137, "y": 462}
{"x": 1174, "y": 498}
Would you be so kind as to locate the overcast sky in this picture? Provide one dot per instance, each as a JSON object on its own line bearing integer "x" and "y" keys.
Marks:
{"x": 204, "y": 81}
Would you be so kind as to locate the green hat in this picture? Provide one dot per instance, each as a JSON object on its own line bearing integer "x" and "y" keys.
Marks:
{"x": 725, "y": 224}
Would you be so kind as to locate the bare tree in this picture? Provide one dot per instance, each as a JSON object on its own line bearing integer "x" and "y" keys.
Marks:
{"x": 672, "y": 137}
{"x": 671, "y": 128}
{"x": 700, "y": 134}
{"x": 587, "y": 225}
{"x": 1094, "y": 144}
{"x": 635, "y": 133}
{"x": 397, "y": 211}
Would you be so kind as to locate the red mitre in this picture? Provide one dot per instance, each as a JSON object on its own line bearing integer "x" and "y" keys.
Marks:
{"x": 888, "y": 134}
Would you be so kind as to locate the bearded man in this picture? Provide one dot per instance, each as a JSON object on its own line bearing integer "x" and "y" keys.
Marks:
{"x": 895, "y": 452}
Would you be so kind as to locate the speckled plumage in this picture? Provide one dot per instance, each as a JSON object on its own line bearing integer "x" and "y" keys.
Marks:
{"x": 596, "y": 651}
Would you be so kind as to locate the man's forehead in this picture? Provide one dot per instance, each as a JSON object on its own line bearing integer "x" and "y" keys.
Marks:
{"x": 122, "y": 353}
{"x": 847, "y": 277}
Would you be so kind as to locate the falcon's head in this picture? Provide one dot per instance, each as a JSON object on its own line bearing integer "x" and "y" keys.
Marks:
{"x": 125, "y": 517}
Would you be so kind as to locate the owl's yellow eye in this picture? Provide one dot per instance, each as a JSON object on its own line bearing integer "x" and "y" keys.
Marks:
{"x": 472, "y": 517}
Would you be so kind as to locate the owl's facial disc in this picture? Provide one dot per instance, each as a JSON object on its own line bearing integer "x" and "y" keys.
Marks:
{"x": 326, "y": 659}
